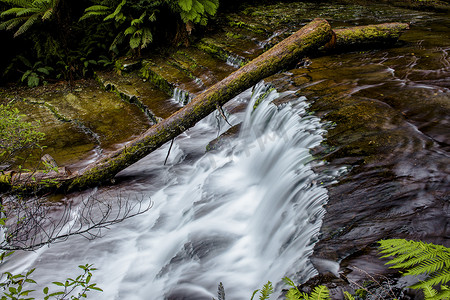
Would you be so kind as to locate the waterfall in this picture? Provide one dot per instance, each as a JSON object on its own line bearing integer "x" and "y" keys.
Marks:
{"x": 235, "y": 60}
{"x": 181, "y": 97}
{"x": 243, "y": 214}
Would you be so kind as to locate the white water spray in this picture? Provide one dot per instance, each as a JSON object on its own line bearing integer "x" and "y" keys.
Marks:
{"x": 242, "y": 215}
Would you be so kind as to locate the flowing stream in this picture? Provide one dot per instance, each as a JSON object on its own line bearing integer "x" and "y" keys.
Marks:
{"x": 250, "y": 209}
{"x": 242, "y": 215}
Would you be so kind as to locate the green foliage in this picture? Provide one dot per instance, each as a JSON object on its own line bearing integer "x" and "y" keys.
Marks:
{"x": 318, "y": 293}
{"x": 132, "y": 18}
{"x": 61, "y": 42}
{"x": 419, "y": 258}
{"x": 16, "y": 135}
{"x": 25, "y": 14}
{"x": 348, "y": 296}
{"x": 36, "y": 72}
{"x": 197, "y": 11}
{"x": 266, "y": 291}
{"x": 15, "y": 286}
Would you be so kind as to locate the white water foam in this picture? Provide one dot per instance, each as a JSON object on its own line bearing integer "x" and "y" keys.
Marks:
{"x": 242, "y": 215}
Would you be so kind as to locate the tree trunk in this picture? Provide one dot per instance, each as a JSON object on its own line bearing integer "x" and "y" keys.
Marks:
{"x": 366, "y": 36}
{"x": 311, "y": 37}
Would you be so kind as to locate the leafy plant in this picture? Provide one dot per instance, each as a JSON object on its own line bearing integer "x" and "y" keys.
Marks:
{"x": 419, "y": 258}
{"x": 16, "y": 135}
{"x": 36, "y": 72}
{"x": 15, "y": 286}
{"x": 197, "y": 11}
{"x": 133, "y": 19}
{"x": 318, "y": 293}
{"x": 265, "y": 292}
{"x": 26, "y": 13}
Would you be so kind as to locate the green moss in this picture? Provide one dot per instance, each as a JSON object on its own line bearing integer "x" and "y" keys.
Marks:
{"x": 251, "y": 27}
{"x": 148, "y": 72}
{"x": 213, "y": 49}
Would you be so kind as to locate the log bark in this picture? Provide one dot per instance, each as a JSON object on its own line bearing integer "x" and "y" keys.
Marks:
{"x": 365, "y": 36}
{"x": 309, "y": 38}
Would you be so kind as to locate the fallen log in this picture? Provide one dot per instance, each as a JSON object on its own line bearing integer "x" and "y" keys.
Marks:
{"x": 365, "y": 36}
{"x": 309, "y": 38}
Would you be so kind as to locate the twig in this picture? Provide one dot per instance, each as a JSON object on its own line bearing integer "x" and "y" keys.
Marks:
{"x": 168, "y": 153}
{"x": 220, "y": 109}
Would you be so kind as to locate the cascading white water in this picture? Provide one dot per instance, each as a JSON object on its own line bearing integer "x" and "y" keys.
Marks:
{"x": 235, "y": 60}
{"x": 242, "y": 215}
{"x": 181, "y": 97}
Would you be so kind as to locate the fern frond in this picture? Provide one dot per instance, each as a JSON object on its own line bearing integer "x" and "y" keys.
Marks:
{"x": 411, "y": 253}
{"x": 420, "y": 258}
{"x": 348, "y": 296}
{"x": 443, "y": 294}
{"x": 211, "y": 6}
{"x": 25, "y": 26}
{"x": 254, "y": 293}
{"x": 294, "y": 294}
{"x": 320, "y": 292}
{"x": 116, "y": 11}
{"x": 437, "y": 278}
{"x": 97, "y": 8}
{"x": 135, "y": 41}
{"x": 12, "y": 11}
{"x": 47, "y": 14}
{"x": 429, "y": 292}
{"x": 220, "y": 292}
{"x": 437, "y": 261}
{"x": 185, "y": 5}
{"x": 130, "y": 30}
{"x": 289, "y": 282}
{"x": 146, "y": 38}
{"x": 266, "y": 291}
{"x": 26, "y": 11}
{"x": 10, "y": 24}
{"x": 22, "y": 3}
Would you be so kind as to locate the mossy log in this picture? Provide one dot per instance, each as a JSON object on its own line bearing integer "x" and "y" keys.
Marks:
{"x": 366, "y": 36}
{"x": 309, "y": 38}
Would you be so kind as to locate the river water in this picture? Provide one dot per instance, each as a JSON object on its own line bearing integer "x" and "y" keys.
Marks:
{"x": 242, "y": 215}
{"x": 250, "y": 210}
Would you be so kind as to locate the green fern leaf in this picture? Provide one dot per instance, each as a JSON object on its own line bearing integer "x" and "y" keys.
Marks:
{"x": 130, "y": 30}
{"x": 185, "y": 5}
{"x": 294, "y": 294}
{"x": 11, "y": 11}
{"x": 429, "y": 291}
{"x": 254, "y": 293}
{"x": 28, "y": 23}
{"x": 10, "y": 24}
{"x": 135, "y": 41}
{"x": 266, "y": 291}
{"x": 116, "y": 11}
{"x": 198, "y": 7}
{"x": 320, "y": 292}
{"x": 220, "y": 292}
{"x": 348, "y": 296}
{"x": 289, "y": 282}
{"x": 210, "y": 6}
{"x": 146, "y": 38}
{"x": 48, "y": 14}
{"x": 419, "y": 258}
{"x": 26, "y": 11}
{"x": 97, "y": 8}
{"x": 443, "y": 294}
